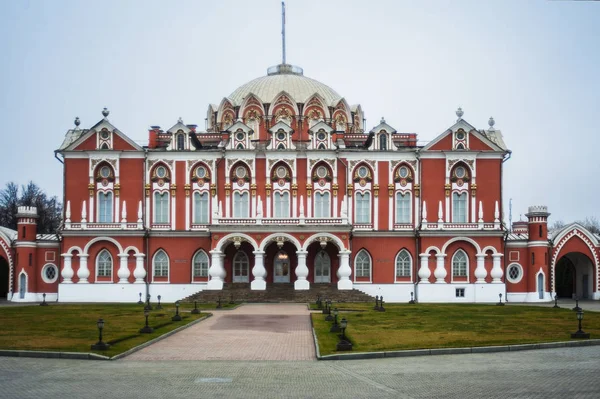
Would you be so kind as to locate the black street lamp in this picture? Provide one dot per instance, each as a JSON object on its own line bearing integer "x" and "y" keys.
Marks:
{"x": 329, "y": 317}
{"x": 376, "y": 302}
{"x": 500, "y": 303}
{"x": 577, "y": 308}
{"x": 44, "y": 303}
{"x": 335, "y": 327}
{"x": 231, "y": 301}
{"x": 381, "y": 308}
{"x": 177, "y": 317}
{"x": 159, "y": 305}
{"x": 146, "y": 329}
{"x": 412, "y": 300}
{"x": 100, "y": 345}
{"x": 319, "y": 302}
{"x": 148, "y": 306}
{"x": 580, "y": 333}
{"x": 140, "y": 301}
{"x": 344, "y": 344}
{"x": 219, "y": 306}
{"x": 195, "y": 310}
{"x": 556, "y": 301}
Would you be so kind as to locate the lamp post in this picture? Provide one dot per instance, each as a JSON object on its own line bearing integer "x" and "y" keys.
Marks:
{"x": 329, "y": 316}
{"x": 580, "y": 333}
{"x": 556, "y": 301}
{"x": 146, "y": 329}
{"x": 140, "y": 301}
{"x": 319, "y": 302}
{"x": 231, "y": 301}
{"x": 577, "y": 308}
{"x": 219, "y": 306}
{"x": 159, "y": 306}
{"x": 412, "y": 300}
{"x": 335, "y": 327}
{"x": 44, "y": 303}
{"x": 148, "y": 306}
{"x": 195, "y": 310}
{"x": 177, "y": 317}
{"x": 381, "y": 308}
{"x": 500, "y": 303}
{"x": 376, "y": 302}
{"x": 344, "y": 344}
{"x": 100, "y": 345}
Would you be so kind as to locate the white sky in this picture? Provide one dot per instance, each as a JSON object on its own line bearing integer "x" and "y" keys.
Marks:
{"x": 532, "y": 65}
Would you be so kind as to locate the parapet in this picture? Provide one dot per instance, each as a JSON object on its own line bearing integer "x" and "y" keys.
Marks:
{"x": 27, "y": 212}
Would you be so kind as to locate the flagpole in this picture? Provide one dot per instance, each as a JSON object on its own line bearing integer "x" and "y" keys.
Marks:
{"x": 283, "y": 29}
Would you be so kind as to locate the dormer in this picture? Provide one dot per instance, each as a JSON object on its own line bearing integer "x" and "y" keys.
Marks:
{"x": 281, "y": 136}
{"x": 240, "y": 135}
{"x": 179, "y": 136}
{"x": 320, "y": 136}
{"x": 382, "y": 136}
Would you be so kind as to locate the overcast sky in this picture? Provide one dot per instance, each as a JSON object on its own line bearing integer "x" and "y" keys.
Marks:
{"x": 532, "y": 65}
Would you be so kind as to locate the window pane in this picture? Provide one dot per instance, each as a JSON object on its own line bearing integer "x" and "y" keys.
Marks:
{"x": 105, "y": 208}
{"x": 161, "y": 208}
{"x": 402, "y": 208}
{"x": 161, "y": 265}
{"x": 459, "y": 264}
{"x": 459, "y": 208}
{"x": 363, "y": 265}
{"x": 201, "y": 265}
{"x": 363, "y": 208}
{"x": 200, "y": 208}
{"x": 104, "y": 264}
{"x": 403, "y": 264}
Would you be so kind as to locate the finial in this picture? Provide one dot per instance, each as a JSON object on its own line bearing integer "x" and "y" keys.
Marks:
{"x": 491, "y": 122}
{"x": 459, "y": 113}
{"x": 283, "y": 32}
{"x": 180, "y": 120}
{"x": 105, "y": 112}
{"x": 382, "y": 120}
{"x": 77, "y": 122}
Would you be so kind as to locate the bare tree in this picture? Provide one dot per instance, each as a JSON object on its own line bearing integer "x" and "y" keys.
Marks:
{"x": 591, "y": 223}
{"x": 557, "y": 225}
{"x": 49, "y": 209}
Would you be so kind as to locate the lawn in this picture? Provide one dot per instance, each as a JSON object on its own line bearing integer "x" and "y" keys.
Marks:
{"x": 424, "y": 326}
{"x": 72, "y": 328}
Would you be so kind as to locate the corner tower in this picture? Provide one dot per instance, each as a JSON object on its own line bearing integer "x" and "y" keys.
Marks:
{"x": 26, "y": 252}
{"x": 537, "y": 251}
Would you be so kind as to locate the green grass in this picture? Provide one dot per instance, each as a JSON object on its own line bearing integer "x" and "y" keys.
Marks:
{"x": 423, "y": 326}
{"x": 72, "y": 328}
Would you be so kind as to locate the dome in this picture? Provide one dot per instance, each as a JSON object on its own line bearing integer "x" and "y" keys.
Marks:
{"x": 286, "y": 78}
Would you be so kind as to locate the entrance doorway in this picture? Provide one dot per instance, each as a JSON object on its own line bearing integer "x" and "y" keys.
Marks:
{"x": 565, "y": 278}
{"x": 574, "y": 274}
{"x": 22, "y": 285}
{"x": 281, "y": 268}
{"x": 540, "y": 281}
{"x": 241, "y": 266}
{"x": 4, "y": 273}
{"x": 322, "y": 267}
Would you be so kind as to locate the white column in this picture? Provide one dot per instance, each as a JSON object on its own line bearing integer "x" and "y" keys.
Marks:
{"x": 140, "y": 215}
{"x": 424, "y": 216}
{"x": 173, "y": 202}
{"x": 117, "y": 208}
{"x": 139, "y": 273}
{"x": 216, "y": 271}
{"x": 68, "y": 215}
{"x": 259, "y": 272}
{"x": 294, "y": 204}
{"x": 147, "y": 211}
{"x": 344, "y": 271}
{"x": 391, "y": 211}
{"x": 123, "y": 272}
{"x": 91, "y": 212}
{"x": 496, "y": 269}
{"x": 188, "y": 216}
{"x": 67, "y": 271}
{"x": 375, "y": 213}
{"x": 440, "y": 271}
{"x": 424, "y": 272}
{"x": 83, "y": 272}
{"x": 301, "y": 272}
{"x": 480, "y": 272}
{"x": 440, "y": 217}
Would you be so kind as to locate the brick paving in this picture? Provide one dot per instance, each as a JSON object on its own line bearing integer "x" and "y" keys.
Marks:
{"x": 249, "y": 332}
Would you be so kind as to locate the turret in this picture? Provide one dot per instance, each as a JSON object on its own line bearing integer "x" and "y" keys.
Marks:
{"x": 538, "y": 222}
{"x": 27, "y": 223}
{"x": 26, "y": 250}
{"x": 537, "y": 249}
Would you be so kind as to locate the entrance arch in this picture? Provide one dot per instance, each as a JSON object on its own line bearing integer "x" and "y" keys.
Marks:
{"x": 574, "y": 276}
{"x": 4, "y": 278}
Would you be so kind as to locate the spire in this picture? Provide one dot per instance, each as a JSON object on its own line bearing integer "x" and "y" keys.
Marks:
{"x": 283, "y": 31}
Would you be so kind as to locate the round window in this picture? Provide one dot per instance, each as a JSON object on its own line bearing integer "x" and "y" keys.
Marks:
{"x": 362, "y": 172}
{"x": 321, "y": 135}
{"x": 50, "y": 273}
{"x": 239, "y": 135}
{"x": 280, "y": 136}
{"x": 403, "y": 172}
{"x": 514, "y": 273}
{"x": 460, "y": 135}
{"x": 321, "y": 171}
{"x": 460, "y": 172}
{"x": 104, "y": 134}
{"x": 240, "y": 172}
{"x": 104, "y": 172}
{"x": 281, "y": 172}
{"x": 161, "y": 171}
{"x": 200, "y": 172}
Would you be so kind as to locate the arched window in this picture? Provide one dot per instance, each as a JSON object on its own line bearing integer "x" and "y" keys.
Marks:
{"x": 403, "y": 208}
{"x": 105, "y": 207}
{"x": 322, "y": 205}
{"x": 282, "y": 205}
{"x": 180, "y": 142}
{"x": 459, "y": 264}
{"x": 383, "y": 142}
{"x": 161, "y": 264}
{"x": 200, "y": 264}
{"x": 104, "y": 264}
{"x": 240, "y": 267}
{"x": 362, "y": 264}
{"x": 201, "y": 208}
{"x": 403, "y": 264}
{"x": 240, "y": 205}
{"x": 459, "y": 207}
{"x": 161, "y": 207}
{"x": 363, "y": 208}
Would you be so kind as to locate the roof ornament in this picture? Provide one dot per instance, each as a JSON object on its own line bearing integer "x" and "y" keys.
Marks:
{"x": 283, "y": 31}
{"x": 491, "y": 122}
{"x": 180, "y": 120}
{"x": 382, "y": 120}
{"x": 105, "y": 112}
{"x": 459, "y": 113}
{"x": 77, "y": 122}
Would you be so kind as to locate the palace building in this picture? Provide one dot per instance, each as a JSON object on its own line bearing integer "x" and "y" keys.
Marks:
{"x": 286, "y": 185}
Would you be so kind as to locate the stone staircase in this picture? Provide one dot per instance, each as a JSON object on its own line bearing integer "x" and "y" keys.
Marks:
{"x": 240, "y": 292}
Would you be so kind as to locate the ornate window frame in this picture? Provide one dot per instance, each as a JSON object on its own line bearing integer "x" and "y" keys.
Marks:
{"x": 458, "y": 273}
{"x": 203, "y": 269}
{"x": 162, "y": 277}
{"x": 111, "y": 264}
{"x": 366, "y": 267}
{"x": 406, "y": 256}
